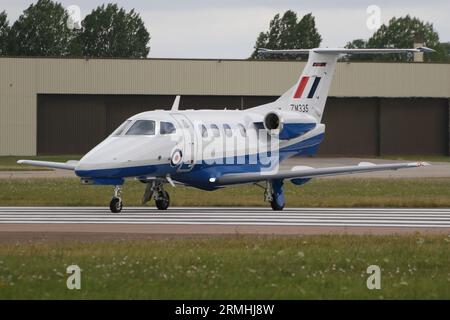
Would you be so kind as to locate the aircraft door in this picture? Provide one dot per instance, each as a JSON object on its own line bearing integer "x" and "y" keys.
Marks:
{"x": 187, "y": 145}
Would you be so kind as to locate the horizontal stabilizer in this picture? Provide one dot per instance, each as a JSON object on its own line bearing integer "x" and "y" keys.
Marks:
{"x": 344, "y": 51}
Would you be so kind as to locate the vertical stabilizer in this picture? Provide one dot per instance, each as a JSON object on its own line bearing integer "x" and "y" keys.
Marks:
{"x": 310, "y": 93}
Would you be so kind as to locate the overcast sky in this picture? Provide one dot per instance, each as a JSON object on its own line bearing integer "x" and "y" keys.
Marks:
{"x": 228, "y": 29}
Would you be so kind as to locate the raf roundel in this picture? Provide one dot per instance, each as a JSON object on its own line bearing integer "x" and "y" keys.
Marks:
{"x": 176, "y": 158}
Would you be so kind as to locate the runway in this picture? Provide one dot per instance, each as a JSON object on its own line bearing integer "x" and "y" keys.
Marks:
{"x": 216, "y": 220}
{"x": 436, "y": 218}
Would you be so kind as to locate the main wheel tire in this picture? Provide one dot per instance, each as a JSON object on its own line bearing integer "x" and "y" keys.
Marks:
{"x": 163, "y": 202}
{"x": 275, "y": 206}
{"x": 115, "y": 205}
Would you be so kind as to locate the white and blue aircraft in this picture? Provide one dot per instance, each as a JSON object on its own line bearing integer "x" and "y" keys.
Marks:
{"x": 212, "y": 149}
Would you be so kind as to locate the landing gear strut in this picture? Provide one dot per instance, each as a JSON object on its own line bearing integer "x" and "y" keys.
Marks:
{"x": 116, "y": 204}
{"x": 155, "y": 189}
{"x": 273, "y": 193}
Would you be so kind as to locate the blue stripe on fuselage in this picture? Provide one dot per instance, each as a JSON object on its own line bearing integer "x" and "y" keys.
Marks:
{"x": 201, "y": 173}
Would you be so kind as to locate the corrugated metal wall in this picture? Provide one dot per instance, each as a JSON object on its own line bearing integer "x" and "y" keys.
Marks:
{"x": 413, "y": 126}
{"x": 22, "y": 79}
{"x": 73, "y": 124}
{"x": 85, "y": 120}
{"x": 386, "y": 126}
{"x": 352, "y": 127}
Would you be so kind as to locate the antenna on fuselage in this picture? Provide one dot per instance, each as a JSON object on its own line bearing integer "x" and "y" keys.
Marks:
{"x": 176, "y": 104}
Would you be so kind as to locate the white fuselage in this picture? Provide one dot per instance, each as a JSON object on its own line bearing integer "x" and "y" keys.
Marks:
{"x": 211, "y": 143}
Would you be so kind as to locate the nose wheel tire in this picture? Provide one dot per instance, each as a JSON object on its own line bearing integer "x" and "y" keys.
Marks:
{"x": 115, "y": 205}
{"x": 163, "y": 200}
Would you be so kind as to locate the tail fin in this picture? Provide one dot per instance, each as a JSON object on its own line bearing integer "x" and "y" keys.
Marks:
{"x": 310, "y": 93}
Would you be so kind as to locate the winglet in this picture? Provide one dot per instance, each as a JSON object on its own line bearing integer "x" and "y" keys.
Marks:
{"x": 176, "y": 103}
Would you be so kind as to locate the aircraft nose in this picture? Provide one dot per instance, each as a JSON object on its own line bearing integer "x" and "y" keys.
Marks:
{"x": 125, "y": 157}
{"x": 106, "y": 155}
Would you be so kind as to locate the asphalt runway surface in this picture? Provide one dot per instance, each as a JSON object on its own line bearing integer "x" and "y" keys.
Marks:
{"x": 219, "y": 221}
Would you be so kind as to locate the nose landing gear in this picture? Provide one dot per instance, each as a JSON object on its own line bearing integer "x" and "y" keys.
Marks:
{"x": 116, "y": 204}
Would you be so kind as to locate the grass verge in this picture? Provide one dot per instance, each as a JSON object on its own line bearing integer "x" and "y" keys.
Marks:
{"x": 239, "y": 267}
{"x": 337, "y": 192}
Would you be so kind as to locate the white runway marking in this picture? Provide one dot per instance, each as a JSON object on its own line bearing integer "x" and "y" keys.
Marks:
{"x": 342, "y": 217}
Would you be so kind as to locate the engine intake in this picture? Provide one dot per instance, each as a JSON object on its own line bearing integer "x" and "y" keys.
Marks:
{"x": 272, "y": 122}
{"x": 287, "y": 125}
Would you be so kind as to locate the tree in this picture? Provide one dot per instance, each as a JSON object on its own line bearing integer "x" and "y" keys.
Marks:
{"x": 112, "y": 32}
{"x": 400, "y": 33}
{"x": 41, "y": 31}
{"x": 288, "y": 32}
{"x": 4, "y": 32}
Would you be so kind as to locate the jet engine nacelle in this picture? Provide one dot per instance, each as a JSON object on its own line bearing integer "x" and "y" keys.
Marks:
{"x": 287, "y": 125}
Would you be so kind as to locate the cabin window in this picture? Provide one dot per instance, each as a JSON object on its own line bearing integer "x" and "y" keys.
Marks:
{"x": 242, "y": 130}
{"x": 204, "y": 131}
{"x": 166, "y": 128}
{"x": 227, "y": 129}
{"x": 142, "y": 128}
{"x": 121, "y": 128}
{"x": 215, "y": 130}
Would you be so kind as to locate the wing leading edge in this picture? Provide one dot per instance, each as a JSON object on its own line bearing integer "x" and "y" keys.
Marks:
{"x": 306, "y": 173}
{"x": 69, "y": 165}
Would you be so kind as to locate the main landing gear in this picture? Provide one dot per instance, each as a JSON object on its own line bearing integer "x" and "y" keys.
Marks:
{"x": 273, "y": 193}
{"x": 153, "y": 190}
{"x": 156, "y": 190}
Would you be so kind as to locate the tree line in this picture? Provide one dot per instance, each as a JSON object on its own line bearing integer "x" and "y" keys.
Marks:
{"x": 289, "y": 31}
{"x": 43, "y": 30}
{"x": 110, "y": 31}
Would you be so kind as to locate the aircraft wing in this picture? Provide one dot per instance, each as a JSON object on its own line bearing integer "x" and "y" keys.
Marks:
{"x": 69, "y": 165}
{"x": 308, "y": 172}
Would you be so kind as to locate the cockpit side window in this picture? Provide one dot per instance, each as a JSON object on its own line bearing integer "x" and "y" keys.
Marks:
{"x": 166, "y": 128}
{"x": 141, "y": 128}
{"x": 121, "y": 128}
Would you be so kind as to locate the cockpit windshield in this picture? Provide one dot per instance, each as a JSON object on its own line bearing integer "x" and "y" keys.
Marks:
{"x": 121, "y": 128}
{"x": 142, "y": 127}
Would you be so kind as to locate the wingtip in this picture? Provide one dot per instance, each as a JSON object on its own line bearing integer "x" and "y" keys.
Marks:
{"x": 425, "y": 49}
{"x": 420, "y": 164}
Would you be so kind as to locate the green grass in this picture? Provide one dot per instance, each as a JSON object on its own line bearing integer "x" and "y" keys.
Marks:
{"x": 9, "y": 163}
{"x": 336, "y": 192}
{"x": 238, "y": 267}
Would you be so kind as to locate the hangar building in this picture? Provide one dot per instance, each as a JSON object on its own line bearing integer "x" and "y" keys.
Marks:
{"x": 66, "y": 106}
